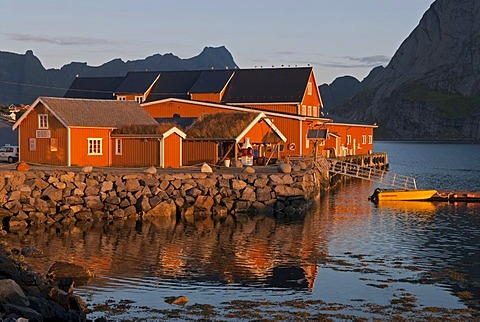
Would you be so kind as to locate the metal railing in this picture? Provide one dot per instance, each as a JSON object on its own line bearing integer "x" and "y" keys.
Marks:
{"x": 372, "y": 174}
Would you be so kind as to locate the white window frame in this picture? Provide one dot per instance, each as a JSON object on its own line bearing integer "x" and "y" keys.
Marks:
{"x": 349, "y": 139}
{"x": 315, "y": 111}
{"x": 370, "y": 139}
{"x": 139, "y": 99}
{"x": 43, "y": 121}
{"x": 94, "y": 146}
{"x": 309, "y": 88}
{"x": 118, "y": 147}
{"x": 309, "y": 110}
{"x": 32, "y": 144}
{"x": 304, "y": 109}
{"x": 364, "y": 139}
{"x": 53, "y": 144}
{"x": 121, "y": 98}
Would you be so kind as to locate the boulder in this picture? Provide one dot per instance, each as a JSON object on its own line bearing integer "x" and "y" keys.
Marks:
{"x": 87, "y": 169}
{"x": 249, "y": 170}
{"x": 61, "y": 270}
{"x": 284, "y": 167}
{"x": 22, "y": 166}
{"x": 177, "y": 300}
{"x": 12, "y": 293}
{"x": 206, "y": 168}
{"x": 204, "y": 203}
{"x": 151, "y": 170}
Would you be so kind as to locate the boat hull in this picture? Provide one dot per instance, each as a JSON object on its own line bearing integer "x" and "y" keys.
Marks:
{"x": 405, "y": 195}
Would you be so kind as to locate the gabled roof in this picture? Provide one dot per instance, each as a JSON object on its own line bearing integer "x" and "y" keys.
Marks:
{"x": 268, "y": 85}
{"x": 93, "y": 113}
{"x": 137, "y": 82}
{"x": 211, "y": 81}
{"x": 94, "y": 87}
{"x": 174, "y": 84}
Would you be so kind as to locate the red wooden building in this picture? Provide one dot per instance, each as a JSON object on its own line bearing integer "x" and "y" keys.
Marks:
{"x": 62, "y": 131}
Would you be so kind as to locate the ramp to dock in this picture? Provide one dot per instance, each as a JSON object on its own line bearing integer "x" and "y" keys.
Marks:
{"x": 353, "y": 170}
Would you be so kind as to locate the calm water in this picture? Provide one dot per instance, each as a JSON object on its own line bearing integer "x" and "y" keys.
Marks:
{"x": 364, "y": 260}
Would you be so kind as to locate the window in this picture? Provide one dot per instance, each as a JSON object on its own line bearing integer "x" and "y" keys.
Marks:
{"x": 370, "y": 139}
{"x": 364, "y": 139}
{"x": 309, "y": 111}
{"x": 322, "y": 143}
{"x": 304, "y": 110}
{"x": 309, "y": 88}
{"x": 307, "y": 142}
{"x": 43, "y": 121}
{"x": 94, "y": 146}
{"x": 53, "y": 144}
{"x": 315, "y": 114}
{"x": 139, "y": 99}
{"x": 349, "y": 139}
{"x": 32, "y": 144}
{"x": 121, "y": 98}
{"x": 118, "y": 146}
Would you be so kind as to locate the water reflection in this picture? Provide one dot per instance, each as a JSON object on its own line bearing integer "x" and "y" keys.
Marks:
{"x": 256, "y": 250}
{"x": 345, "y": 250}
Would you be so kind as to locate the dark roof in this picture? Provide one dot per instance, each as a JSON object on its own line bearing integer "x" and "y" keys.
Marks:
{"x": 174, "y": 84}
{"x": 211, "y": 81}
{"x": 94, "y": 87}
{"x": 97, "y": 113}
{"x": 137, "y": 82}
{"x": 313, "y": 134}
{"x": 267, "y": 85}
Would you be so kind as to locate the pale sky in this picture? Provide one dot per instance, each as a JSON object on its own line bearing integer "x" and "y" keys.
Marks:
{"x": 337, "y": 37}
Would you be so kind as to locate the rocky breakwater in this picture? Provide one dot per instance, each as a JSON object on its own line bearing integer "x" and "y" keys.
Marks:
{"x": 64, "y": 197}
{"x": 26, "y": 296}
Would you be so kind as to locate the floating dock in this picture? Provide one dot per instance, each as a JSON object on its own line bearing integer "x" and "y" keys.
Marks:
{"x": 462, "y": 196}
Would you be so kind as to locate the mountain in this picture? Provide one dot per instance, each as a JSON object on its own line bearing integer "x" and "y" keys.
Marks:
{"x": 430, "y": 90}
{"x": 23, "y": 77}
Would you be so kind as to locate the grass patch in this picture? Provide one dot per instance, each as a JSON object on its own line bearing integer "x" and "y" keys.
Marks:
{"x": 453, "y": 106}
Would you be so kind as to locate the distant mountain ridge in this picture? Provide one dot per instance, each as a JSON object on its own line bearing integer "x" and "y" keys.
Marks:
{"x": 430, "y": 90}
{"x": 23, "y": 77}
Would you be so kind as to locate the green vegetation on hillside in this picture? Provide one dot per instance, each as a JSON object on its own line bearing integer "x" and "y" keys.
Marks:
{"x": 453, "y": 106}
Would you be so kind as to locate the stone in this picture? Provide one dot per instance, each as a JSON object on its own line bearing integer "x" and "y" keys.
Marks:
{"x": 23, "y": 166}
{"x": 260, "y": 182}
{"x": 283, "y": 167}
{"x": 41, "y": 205}
{"x": 61, "y": 269}
{"x": 204, "y": 203}
{"x": 91, "y": 191}
{"x": 53, "y": 193}
{"x": 164, "y": 209}
{"x": 74, "y": 200}
{"x": 93, "y": 203}
{"x": 248, "y": 170}
{"x": 238, "y": 185}
{"x": 12, "y": 293}
{"x": 206, "y": 168}
{"x": 151, "y": 170}
{"x": 84, "y": 215}
{"x": 179, "y": 300}
{"x": 106, "y": 186}
{"x": 87, "y": 169}
{"x": 248, "y": 194}
{"x": 263, "y": 194}
{"x": 143, "y": 204}
{"x": 59, "y": 185}
{"x": 37, "y": 218}
{"x": 132, "y": 185}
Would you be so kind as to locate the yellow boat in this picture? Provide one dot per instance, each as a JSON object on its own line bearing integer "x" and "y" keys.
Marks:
{"x": 401, "y": 195}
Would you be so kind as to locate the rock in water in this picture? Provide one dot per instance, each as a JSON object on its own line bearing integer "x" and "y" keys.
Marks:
{"x": 177, "y": 300}
{"x": 63, "y": 270}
